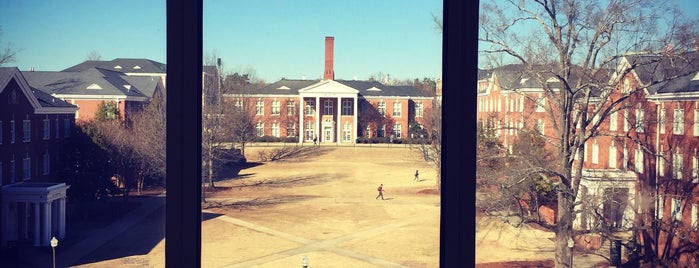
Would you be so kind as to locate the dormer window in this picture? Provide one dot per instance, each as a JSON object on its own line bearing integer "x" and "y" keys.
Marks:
{"x": 137, "y": 67}
{"x": 374, "y": 89}
{"x": 117, "y": 67}
{"x": 524, "y": 80}
{"x": 283, "y": 87}
{"x": 94, "y": 86}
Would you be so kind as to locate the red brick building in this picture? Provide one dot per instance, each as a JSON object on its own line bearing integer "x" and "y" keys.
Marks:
{"x": 641, "y": 169}
{"x": 334, "y": 111}
{"x": 33, "y": 127}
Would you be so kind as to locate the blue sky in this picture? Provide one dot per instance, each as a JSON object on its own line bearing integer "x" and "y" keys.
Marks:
{"x": 274, "y": 38}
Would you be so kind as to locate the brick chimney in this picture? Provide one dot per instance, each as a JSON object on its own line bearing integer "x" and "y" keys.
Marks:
{"x": 329, "y": 72}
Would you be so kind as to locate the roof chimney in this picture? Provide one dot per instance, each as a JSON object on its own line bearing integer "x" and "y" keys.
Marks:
{"x": 329, "y": 72}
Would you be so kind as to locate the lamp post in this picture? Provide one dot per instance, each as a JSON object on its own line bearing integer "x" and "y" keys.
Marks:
{"x": 54, "y": 244}
{"x": 571, "y": 244}
{"x": 304, "y": 262}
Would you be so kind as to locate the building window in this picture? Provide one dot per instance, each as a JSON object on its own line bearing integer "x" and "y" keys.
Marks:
{"x": 382, "y": 108}
{"x": 612, "y": 156}
{"x": 12, "y": 99}
{"x": 347, "y": 107}
{"x": 328, "y": 107}
{"x": 47, "y": 128}
{"x": 275, "y": 107}
{"x": 238, "y": 103}
{"x": 291, "y": 129}
{"x": 12, "y": 131}
{"x": 260, "y": 129}
{"x": 627, "y": 86}
{"x": 639, "y": 120}
{"x": 595, "y": 152}
{"x": 26, "y": 130}
{"x": 677, "y": 165}
{"x": 397, "y": 109}
{"x": 47, "y": 163}
{"x": 661, "y": 121}
{"x": 310, "y": 129}
{"x": 419, "y": 111}
{"x": 13, "y": 169}
{"x": 696, "y": 122}
{"x": 26, "y": 168}
{"x": 695, "y": 168}
{"x": 695, "y": 209}
{"x": 678, "y": 122}
{"x": 347, "y": 131}
{"x": 58, "y": 128}
{"x": 66, "y": 127}
{"x": 381, "y": 131}
{"x": 260, "y": 107}
{"x": 676, "y": 209}
{"x": 540, "y": 102}
{"x": 275, "y": 129}
{"x": 661, "y": 206}
{"x": 638, "y": 160}
{"x": 396, "y": 130}
{"x": 661, "y": 162}
{"x": 539, "y": 126}
{"x": 290, "y": 108}
{"x": 613, "y": 121}
{"x": 310, "y": 107}
{"x": 626, "y": 120}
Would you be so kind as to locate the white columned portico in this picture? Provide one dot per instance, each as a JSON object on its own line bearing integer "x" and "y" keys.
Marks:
{"x": 302, "y": 115}
{"x": 316, "y": 128}
{"x": 37, "y": 217}
{"x": 330, "y": 89}
{"x": 45, "y": 203}
{"x": 46, "y": 223}
{"x": 338, "y": 121}
{"x": 355, "y": 123}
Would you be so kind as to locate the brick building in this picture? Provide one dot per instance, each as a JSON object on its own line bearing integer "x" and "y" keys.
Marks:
{"x": 33, "y": 127}
{"x": 334, "y": 111}
{"x": 641, "y": 169}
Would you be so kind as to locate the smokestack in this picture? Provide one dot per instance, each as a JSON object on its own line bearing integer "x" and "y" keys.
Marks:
{"x": 329, "y": 72}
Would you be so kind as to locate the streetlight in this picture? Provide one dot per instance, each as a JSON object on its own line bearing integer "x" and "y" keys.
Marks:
{"x": 54, "y": 244}
{"x": 304, "y": 262}
{"x": 571, "y": 244}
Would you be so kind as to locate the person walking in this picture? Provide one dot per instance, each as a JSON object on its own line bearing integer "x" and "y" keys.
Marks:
{"x": 417, "y": 175}
{"x": 380, "y": 189}
{"x": 315, "y": 141}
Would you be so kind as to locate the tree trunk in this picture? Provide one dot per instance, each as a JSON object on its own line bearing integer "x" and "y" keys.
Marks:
{"x": 564, "y": 229}
{"x": 211, "y": 172}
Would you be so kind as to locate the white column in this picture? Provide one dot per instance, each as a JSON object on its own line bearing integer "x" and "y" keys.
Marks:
{"x": 338, "y": 122}
{"x": 3, "y": 217}
{"x": 46, "y": 224}
{"x": 37, "y": 223}
{"x": 354, "y": 120}
{"x": 302, "y": 114}
{"x": 316, "y": 132}
{"x": 62, "y": 218}
{"x": 25, "y": 221}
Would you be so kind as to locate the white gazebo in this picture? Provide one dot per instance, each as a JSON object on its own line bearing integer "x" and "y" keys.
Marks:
{"x": 34, "y": 212}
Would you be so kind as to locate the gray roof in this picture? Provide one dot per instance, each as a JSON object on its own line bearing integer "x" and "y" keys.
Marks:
{"x": 292, "y": 86}
{"x": 77, "y": 83}
{"x": 45, "y": 100}
{"x": 667, "y": 73}
{"x": 126, "y": 66}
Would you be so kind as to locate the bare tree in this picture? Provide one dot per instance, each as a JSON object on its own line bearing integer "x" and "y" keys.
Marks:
{"x": 7, "y": 54}
{"x": 93, "y": 56}
{"x": 579, "y": 45}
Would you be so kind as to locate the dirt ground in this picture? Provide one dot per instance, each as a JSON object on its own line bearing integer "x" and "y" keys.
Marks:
{"x": 321, "y": 204}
